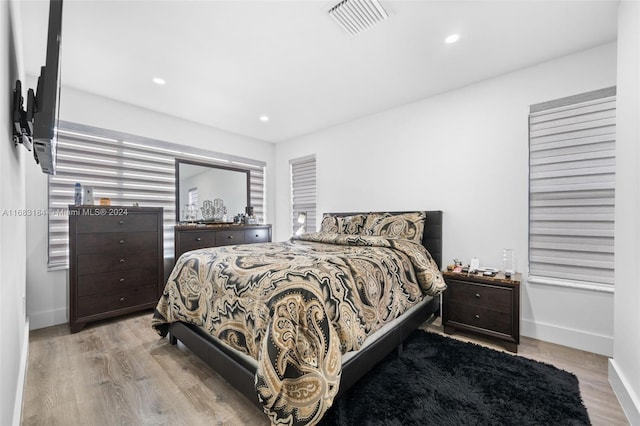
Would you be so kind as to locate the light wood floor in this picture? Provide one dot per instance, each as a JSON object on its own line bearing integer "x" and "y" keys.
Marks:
{"x": 120, "y": 372}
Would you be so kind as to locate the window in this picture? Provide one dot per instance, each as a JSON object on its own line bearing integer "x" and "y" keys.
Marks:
{"x": 572, "y": 190}
{"x": 303, "y": 194}
{"x": 193, "y": 196}
{"x": 126, "y": 169}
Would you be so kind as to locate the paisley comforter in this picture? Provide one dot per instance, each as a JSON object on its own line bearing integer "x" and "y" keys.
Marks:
{"x": 297, "y": 306}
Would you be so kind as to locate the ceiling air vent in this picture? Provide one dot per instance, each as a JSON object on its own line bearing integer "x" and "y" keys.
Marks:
{"x": 356, "y": 16}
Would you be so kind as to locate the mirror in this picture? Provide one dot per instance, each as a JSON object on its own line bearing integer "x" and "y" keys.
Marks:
{"x": 210, "y": 193}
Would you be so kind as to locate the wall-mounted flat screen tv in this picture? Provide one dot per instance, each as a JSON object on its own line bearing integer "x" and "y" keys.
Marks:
{"x": 43, "y": 107}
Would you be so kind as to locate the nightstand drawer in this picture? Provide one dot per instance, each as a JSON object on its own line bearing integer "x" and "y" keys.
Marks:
{"x": 480, "y": 295}
{"x": 499, "y": 322}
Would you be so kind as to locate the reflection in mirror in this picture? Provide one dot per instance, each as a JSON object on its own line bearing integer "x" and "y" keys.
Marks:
{"x": 210, "y": 193}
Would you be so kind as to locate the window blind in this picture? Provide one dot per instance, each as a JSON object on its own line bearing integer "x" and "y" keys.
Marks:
{"x": 572, "y": 188}
{"x": 257, "y": 192}
{"x": 193, "y": 196}
{"x": 303, "y": 192}
{"x": 126, "y": 169}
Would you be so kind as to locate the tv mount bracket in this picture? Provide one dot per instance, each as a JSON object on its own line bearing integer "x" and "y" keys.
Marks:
{"x": 22, "y": 121}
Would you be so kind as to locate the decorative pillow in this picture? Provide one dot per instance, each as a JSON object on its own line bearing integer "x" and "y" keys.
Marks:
{"x": 329, "y": 224}
{"x": 409, "y": 226}
{"x": 351, "y": 224}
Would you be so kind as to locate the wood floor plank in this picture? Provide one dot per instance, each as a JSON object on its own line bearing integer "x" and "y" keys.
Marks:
{"x": 46, "y": 359}
{"x": 120, "y": 372}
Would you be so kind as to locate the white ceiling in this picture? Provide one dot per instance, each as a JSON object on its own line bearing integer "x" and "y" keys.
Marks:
{"x": 228, "y": 62}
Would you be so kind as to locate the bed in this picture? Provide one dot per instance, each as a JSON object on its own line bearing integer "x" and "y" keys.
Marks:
{"x": 293, "y": 325}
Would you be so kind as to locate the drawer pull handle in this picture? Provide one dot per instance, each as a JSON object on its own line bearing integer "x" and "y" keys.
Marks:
{"x": 121, "y": 241}
{"x": 257, "y": 235}
{"x": 121, "y": 260}
{"x": 121, "y": 222}
{"x": 121, "y": 280}
{"x": 477, "y": 316}
{"x": 230, "y": 237}
{"x": 122, "y": 299}
{"x": 198, "y": 239}
{"x": 477, "y": 295}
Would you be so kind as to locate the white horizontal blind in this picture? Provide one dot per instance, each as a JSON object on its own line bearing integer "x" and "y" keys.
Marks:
{"x": 193, "y": 196}
{"x": 126, "y": 169}
{"x": 257, "y": 192}
{"x": 303, "y": 192}
{"x": 572, "y": 188}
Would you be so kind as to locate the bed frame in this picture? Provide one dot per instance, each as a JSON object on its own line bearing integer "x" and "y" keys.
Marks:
{"x": 240, "y": 373}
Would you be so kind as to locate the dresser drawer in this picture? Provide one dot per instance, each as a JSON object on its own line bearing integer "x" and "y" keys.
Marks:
{"x": 116, "y": 281}
{"x": 132, "y": 222}
{"x": 486, "y": 319}
{"x": 101, "y": 303}
{"x": 195, "y": 240}
{"x": 256, "y": 236}
{"x": 115, "y": 242}
{"x": 189, "y": 238}
{"x": 99, "y": 263}
{"x": 480, "y": 295}
{"x": 227, "y": 238}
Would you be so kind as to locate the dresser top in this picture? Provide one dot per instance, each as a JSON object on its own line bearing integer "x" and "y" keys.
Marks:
{"x": 218, "y": 226}
{"x": 94, "y": 207}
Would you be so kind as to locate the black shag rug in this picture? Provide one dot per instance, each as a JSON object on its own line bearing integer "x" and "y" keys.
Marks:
{"x": 441, "y": 381}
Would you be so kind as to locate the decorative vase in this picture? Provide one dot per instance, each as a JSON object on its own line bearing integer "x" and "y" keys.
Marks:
{"x": 508, "y": 262}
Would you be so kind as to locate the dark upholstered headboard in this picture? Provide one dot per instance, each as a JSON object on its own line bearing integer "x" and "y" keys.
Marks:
{"x": 432, "y": 237}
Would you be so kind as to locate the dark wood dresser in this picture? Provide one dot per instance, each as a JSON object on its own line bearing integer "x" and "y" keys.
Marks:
{"x": 485, "y": 305}
{"x": 192, "y": 237}
{"x": 116, "y": 261}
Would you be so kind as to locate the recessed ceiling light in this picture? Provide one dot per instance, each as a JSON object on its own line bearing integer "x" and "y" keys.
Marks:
{"x": 264, "y": 118}
{"x": 452, "y": 38}
{"x": 159, "y": 81}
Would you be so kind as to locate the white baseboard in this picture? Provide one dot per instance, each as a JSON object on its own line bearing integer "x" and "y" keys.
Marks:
{"x": 48, "y": 318}
{"x": 22, "y": 376}
{"x": 590, "y": 342}
{"x": 628, "y": 401}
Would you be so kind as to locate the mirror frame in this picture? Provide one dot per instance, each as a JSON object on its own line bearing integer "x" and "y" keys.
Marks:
{"x": 179, "y": 161}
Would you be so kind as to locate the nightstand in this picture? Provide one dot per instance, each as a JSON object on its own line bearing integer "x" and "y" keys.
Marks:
{"x": 484, "y": 305}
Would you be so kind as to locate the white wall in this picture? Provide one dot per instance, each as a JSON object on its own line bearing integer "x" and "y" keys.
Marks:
{"x": 624, "y": 369}
{"x": 464, "y": 152}
{"x": 13, "y": 323}
{"x": 47, "y": 293}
